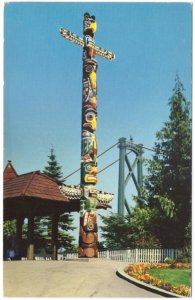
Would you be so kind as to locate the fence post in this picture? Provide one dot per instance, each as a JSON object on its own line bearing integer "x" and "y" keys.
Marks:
{"x": 107, "y": 254}
{"x": 136, "y": 255}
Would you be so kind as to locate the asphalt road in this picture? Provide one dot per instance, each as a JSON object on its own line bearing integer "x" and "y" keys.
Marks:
{"x": 94, "y": 278}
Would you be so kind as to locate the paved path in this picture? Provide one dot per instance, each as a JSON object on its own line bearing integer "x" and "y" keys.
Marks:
{"x": 94, "y": 278}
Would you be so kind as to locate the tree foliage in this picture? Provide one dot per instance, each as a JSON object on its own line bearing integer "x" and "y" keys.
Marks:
{"x": 169, "y": 181}
{"x": 43, "y": 225}
{"x": 43, "y": 232}
{"x": 9, "y": 227}
{"x": 53, "y": 169}
{"x": 65, "y": 239}
{"x": 127, "y": 231}
{"x": 115, "y": 231}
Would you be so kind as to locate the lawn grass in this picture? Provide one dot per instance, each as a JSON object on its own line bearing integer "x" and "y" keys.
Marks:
{"x": 176, "y": 276}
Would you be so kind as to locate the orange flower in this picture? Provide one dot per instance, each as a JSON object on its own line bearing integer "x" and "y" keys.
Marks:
{"x": 140, "y": 272}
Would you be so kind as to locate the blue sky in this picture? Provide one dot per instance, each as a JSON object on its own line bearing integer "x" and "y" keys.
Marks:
{"x": 43, "y": 73}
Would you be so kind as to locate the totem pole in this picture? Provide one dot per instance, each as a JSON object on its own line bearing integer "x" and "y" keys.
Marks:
{"x": 90, "y": 198}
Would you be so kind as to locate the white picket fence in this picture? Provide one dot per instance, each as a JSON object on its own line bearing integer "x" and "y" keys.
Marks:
{"x": 134, "y": 255}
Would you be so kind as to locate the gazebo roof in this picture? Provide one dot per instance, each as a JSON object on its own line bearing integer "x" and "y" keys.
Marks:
{"x": 33, "y": 193}
{"x": 33, "y": 184}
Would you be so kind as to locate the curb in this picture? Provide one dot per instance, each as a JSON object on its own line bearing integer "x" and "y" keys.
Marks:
{"x": 77, "y": 259}
{"x": 146, "y": 286}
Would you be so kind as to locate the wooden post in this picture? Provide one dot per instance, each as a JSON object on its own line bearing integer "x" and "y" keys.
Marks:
{"x": 30, "y": 250}
{"x": 55, "y": 219}
{"x": 19, "y": 223}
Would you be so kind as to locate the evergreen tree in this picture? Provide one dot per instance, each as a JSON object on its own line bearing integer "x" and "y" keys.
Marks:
{"x": 42, "y": 232}
{"x": 115, "y": 231}
{"x": 121, "y": 232}
{"x": 43, "y": 224}
{"x": 53, "y": 169}
{"x": 169, "y": 181}
{"x": 65, "y": 240}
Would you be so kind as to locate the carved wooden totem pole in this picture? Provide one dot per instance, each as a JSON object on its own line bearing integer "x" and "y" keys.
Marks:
{"x": 90, "y": 198}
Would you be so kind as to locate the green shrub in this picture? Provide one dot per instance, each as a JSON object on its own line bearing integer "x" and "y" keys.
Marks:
{"x": 185, "y": 256}
{"x": 169, "y": 260}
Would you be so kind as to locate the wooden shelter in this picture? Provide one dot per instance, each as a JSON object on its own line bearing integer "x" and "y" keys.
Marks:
{"x": 34, "y": 194}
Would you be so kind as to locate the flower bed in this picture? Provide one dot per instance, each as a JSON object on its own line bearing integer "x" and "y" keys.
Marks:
{"x": 141, "y": 272}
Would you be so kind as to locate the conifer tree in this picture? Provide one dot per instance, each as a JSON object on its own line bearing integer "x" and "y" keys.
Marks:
{"x": 169, "y": 181}
{"x": 116, "y": 231}
{"x": 43, "y": 224}
{"x": 53, "y": 169}
{"x": 121, "y": 232}
{"x": 65, "y": 239}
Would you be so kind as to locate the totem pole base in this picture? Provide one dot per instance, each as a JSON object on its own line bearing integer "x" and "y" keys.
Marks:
{"x": 88, "y": 236}
{"x": 88, "y": 253}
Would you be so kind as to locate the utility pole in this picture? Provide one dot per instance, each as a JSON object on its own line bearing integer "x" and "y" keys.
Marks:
{"x": 89, "y": 196}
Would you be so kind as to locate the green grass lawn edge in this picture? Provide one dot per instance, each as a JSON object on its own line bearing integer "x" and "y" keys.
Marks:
{"x": 176, "y": 276}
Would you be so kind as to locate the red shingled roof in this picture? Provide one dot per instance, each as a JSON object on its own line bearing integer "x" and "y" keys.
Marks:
{"x": 9, "y": 172}
{"x": 34, "y": 184}
{"x": 33, "y": 193}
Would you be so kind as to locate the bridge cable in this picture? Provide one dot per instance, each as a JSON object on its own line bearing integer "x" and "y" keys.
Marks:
{"x": 150, "y": 149}
{"x": 108, "y": 149}
{"x": 147, "y": 148}
{"x": 108, "y": 166}
{"x": 111, "y": 164}
{"x": 97, "y": 156}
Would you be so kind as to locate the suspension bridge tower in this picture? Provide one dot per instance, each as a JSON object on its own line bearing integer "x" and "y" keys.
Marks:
{"x": 125, "y": 148}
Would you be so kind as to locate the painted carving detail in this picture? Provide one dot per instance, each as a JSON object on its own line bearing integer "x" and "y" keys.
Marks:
{"x": 74, "y": 192}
